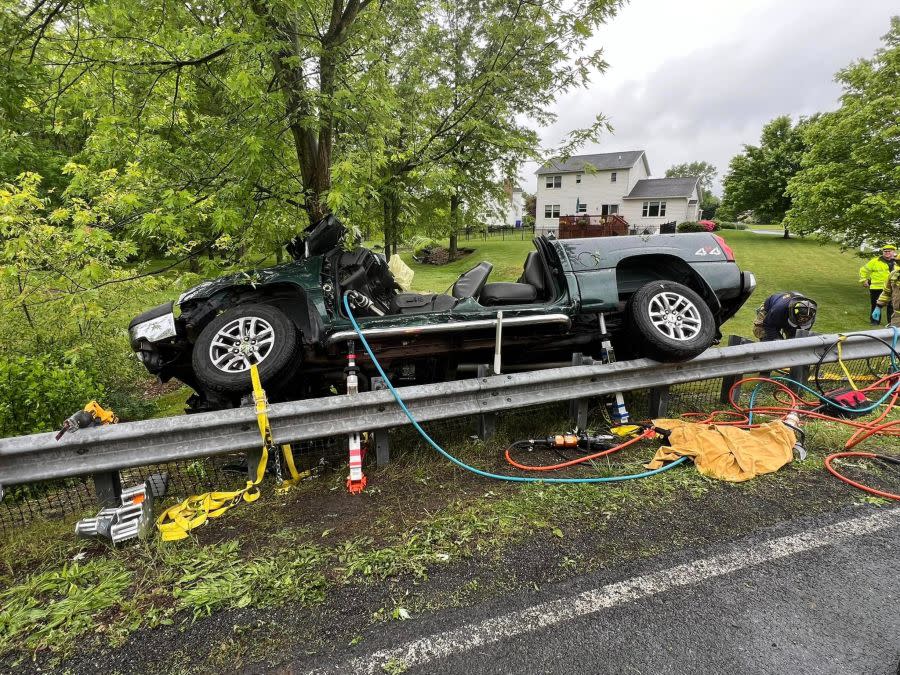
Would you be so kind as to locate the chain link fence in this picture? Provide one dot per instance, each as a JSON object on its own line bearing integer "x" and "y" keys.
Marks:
{"x": 57, "y": 498}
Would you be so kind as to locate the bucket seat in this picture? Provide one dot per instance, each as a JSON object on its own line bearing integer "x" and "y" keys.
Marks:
{"x": 529, "y": 288}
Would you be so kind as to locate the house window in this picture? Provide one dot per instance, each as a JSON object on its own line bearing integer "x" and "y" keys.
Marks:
{"x": 551, "y": 210}
{"x": 577, "y": 177}
{"x": 654, "y": 209}
{"x": 612, "y": 177}
{"x": 580, "y": 207}
{"x": 609, "y": 209}
{"x": 554, "y": 181}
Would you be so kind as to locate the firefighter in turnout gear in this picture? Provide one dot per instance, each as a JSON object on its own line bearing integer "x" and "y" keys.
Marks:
{"x": 890, "y": 297}
{"x": 782, "y": 314}
{"x": 874, "y": 274}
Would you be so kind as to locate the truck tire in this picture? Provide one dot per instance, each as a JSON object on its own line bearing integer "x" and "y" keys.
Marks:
{"x": 229, "y": 343}
{"x": 670, "y": 322}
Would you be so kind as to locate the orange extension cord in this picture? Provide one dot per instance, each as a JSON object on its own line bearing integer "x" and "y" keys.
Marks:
{"x": 649, "y": 433}
{"x": 866, "y": 488}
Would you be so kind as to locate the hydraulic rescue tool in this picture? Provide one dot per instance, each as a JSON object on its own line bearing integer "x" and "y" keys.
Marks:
{"x": 93, "y": 414}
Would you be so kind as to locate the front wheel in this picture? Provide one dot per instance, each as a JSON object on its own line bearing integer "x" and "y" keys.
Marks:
{"x": 239, "y": 337}
{"x": 670, "y": 321}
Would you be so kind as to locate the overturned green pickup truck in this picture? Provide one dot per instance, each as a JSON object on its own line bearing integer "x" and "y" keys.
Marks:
{"x": 661, "y": 296}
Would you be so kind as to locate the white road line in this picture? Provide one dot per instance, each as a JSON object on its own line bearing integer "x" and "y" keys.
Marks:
{"x": 546, "y": 614}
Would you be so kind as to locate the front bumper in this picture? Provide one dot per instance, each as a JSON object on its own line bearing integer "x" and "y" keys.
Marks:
{"x": 748, "y": 284}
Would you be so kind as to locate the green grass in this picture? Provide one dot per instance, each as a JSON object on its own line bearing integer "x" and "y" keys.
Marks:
{"x": 774, "y": 228}
{"x": 507, "y": 256}
{"x": 820, "y": 270}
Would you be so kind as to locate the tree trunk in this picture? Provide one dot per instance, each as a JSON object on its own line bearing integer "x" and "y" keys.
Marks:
{"x": 454, "y": 223}
{"x": 279, "y": 254}
{"x": 386, "y": 225}
{"x": 194, "y": 264}
{"x": 787, "y": 235}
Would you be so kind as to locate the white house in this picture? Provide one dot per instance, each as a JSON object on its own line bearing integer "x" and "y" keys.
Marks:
{"x": 507, "y": 211}
{"x": 613, "y": 183}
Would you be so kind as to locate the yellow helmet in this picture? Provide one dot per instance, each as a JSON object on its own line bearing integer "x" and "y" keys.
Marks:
{"x": 889, "y": 247}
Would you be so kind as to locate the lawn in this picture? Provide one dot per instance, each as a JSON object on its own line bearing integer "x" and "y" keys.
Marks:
{"x": 507, "y": 256}
{"x": 820, "y": 270}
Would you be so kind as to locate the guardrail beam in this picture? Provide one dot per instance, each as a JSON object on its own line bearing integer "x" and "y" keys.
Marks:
{"x": 26, "y": 459}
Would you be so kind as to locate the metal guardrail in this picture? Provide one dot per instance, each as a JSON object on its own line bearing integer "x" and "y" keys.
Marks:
{"x": 38, "y": 457}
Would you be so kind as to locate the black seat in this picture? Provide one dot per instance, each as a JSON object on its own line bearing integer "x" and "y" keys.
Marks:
{"x": 507, "y": 293}
{"x": 420, "y": 303}
{"x": 533, "y": 273}
{"x": 470, "y": 283}
{"x": 529, "y": 288}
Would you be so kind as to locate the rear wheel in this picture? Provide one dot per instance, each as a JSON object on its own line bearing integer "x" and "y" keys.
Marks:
{"x": 670, "y": 321}
{"x": 241, "y": 336}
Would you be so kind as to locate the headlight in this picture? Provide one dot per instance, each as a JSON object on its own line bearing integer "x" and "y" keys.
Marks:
{"x": 154, "y": 330}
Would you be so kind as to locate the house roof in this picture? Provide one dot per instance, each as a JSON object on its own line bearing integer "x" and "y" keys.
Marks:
{"x": 602, "y": 162}
{"x": 663, "y": 187}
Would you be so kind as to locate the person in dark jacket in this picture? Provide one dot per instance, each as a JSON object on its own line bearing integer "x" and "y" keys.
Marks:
{"x": 782, "y": 314}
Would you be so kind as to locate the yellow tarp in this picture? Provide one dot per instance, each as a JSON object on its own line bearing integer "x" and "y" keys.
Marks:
{"x": 725, "y": 452}
{"x": 402, "y": 272}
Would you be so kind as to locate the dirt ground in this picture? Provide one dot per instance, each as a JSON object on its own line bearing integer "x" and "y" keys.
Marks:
{"x": 573, "y": 531}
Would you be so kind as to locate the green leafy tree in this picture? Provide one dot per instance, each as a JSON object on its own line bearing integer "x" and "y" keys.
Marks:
{"x": 469, "y": 77}
{"x": 849, "y": 183}
{"x": 705, "y": 171}
{"x": 709, "y": 205}
{"x": 221, "y": 118}
{"x": 757, "y": 178}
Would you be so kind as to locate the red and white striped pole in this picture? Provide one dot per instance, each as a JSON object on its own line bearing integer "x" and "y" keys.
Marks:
{"x": 356, "y": 481}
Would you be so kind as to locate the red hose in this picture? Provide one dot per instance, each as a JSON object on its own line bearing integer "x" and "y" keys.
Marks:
{"x": 860, "y": 486}
{"x": 649, "y": 433}
{"x": 790, "y": 402}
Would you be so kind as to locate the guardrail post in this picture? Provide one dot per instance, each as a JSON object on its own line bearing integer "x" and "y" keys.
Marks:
{"x": 382, "y": 436}
{"x": 659, "y": 402}
{"x": 728, "y": 381}
{"x": 108, "y": 488}
{"x": 487, "y": 422}
{"x": 578, "y": 408}
{"x": 254, "y": 457}
{"x": 800, "y": 374}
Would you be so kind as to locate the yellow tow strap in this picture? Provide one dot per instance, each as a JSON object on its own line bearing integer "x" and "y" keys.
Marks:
{"x": 177, "y": 521}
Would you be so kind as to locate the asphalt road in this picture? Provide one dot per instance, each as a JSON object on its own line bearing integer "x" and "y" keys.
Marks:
{"x": 810, "y": 596}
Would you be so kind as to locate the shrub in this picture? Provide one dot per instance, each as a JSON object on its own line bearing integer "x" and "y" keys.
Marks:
{"x": 418, "y": 244}
{"x": 38, "y": 392}
{"x": 697, "y": 226}
{"x": 690, "y": 226}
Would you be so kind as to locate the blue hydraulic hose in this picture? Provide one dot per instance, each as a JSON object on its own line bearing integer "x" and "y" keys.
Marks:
{"x": 463, "y": 465}
{"x": 833, "y": 404}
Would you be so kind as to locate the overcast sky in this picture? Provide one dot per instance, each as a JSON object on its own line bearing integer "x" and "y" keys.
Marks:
{"x": 696, "y": 79}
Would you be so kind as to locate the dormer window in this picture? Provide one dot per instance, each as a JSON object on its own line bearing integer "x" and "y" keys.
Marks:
{"x": 612, "y": 177}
